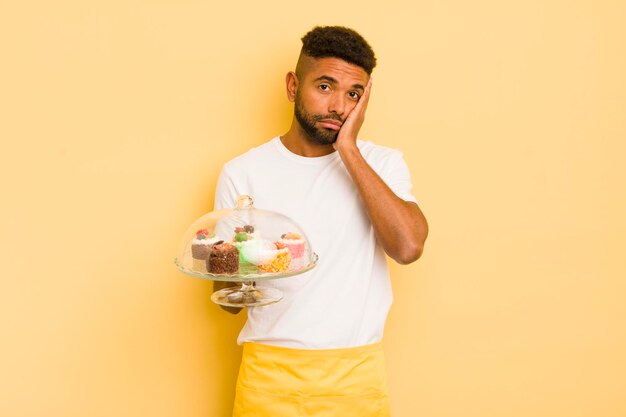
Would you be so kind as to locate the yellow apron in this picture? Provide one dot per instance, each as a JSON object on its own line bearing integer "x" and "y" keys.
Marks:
{"x": 284, "y": 382}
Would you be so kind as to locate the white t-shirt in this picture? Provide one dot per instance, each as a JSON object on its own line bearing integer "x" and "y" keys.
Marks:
{"x": 344, "y": 300}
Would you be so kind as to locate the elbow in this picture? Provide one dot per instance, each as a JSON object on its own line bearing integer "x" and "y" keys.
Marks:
{"x": 409, "y": 254}
{"x": 413, "y": 246}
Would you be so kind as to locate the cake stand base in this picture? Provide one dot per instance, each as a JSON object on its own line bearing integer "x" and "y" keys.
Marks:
{"x": 247, "y": 295}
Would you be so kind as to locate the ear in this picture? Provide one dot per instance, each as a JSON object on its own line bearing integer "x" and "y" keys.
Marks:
{"x": 291, "y": 82}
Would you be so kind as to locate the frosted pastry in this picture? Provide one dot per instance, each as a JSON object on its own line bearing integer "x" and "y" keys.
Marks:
{"x": 245, "y": 240}
{"x": 223, "y": 259}
{"x": 278, "y": 259}
{"x": 295, "y": 243}
{"x": 202, "y": 243}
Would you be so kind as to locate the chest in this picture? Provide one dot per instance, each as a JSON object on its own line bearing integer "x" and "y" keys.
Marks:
{"x": 323, "y": 200}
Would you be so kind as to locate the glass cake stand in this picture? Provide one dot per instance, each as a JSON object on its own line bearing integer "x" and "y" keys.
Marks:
{"x": 268, "y": 246}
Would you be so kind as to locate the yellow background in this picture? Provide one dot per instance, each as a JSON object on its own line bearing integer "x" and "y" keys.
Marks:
{"x": 116, "y": 117}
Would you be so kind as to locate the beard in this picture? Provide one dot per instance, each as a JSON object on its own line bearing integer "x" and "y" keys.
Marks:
{"x": 307, "y": 121}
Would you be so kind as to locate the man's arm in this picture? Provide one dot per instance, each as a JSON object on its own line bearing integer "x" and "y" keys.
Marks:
{"x": 400, "y": 226}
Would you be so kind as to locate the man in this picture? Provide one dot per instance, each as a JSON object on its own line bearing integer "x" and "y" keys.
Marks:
{"x": 318, "y": 351}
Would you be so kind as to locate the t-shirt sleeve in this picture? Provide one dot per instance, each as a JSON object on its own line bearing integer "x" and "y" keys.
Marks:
{"x": 397, "y": 176}
{"x": 226, "y": 191}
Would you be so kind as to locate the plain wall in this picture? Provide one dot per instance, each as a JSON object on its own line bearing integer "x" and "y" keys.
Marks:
{"x": 116, "y": 117}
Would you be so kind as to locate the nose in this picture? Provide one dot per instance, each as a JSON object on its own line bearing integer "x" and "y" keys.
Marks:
{"x": 337, "y": 104}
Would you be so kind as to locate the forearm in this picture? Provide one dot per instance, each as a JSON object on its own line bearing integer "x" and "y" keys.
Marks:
{"x": 400, "y": 226}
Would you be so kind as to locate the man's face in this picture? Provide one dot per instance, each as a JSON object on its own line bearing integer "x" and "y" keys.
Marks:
{"x": 328, "y": 90}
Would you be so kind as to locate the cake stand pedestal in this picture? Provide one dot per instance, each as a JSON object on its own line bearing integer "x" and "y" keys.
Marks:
{"x": 247, "y": 294}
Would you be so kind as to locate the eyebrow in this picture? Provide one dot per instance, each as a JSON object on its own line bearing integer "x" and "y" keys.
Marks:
{"x": 334, "y": 81}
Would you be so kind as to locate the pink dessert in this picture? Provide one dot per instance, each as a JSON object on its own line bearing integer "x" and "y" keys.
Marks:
{"x": 295, "y": 243}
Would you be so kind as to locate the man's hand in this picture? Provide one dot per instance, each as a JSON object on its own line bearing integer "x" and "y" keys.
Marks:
{"x": 349, "y": 131}
{"x": 219, "y": 285}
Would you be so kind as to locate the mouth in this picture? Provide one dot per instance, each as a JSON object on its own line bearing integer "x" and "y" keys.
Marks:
{"x": 330, "y": 124}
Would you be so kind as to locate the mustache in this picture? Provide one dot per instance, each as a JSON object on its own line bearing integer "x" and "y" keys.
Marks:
{"x": 331, "y": 116}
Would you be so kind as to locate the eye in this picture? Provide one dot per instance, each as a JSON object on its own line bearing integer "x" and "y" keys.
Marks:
{"x": 324, "y": 87}
{"x": 354, "y": 95}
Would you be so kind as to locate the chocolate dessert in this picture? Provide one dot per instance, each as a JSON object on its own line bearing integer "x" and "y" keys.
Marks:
{"x": 223, "y": 259}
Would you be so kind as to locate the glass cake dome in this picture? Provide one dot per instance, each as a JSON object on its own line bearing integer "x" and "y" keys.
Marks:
{"x": 243, "y": 245}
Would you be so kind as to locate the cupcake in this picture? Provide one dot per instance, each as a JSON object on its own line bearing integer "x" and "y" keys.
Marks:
{"x": 275, "y": 260}
{"x": 258, "y": 251}
{"x": 223, "y": 259}
{"x": 201, "y": 244}
{"x": 245, "y": 240}
{"x": 295, "y": 243}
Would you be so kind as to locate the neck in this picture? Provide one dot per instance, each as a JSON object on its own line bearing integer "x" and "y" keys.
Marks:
{"x": 298, "y": 142}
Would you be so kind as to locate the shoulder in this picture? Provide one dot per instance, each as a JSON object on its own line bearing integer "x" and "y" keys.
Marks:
{"x": 378, "y": 155}
{"x": 258, "y": 155}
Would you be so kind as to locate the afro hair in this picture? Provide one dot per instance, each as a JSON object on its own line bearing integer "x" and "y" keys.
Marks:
{"x": 339, "y": 42}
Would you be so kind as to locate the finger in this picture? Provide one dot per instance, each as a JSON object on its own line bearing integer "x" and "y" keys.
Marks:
{"x": 366, "y": 93}
{"x": 361, "y": 106}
